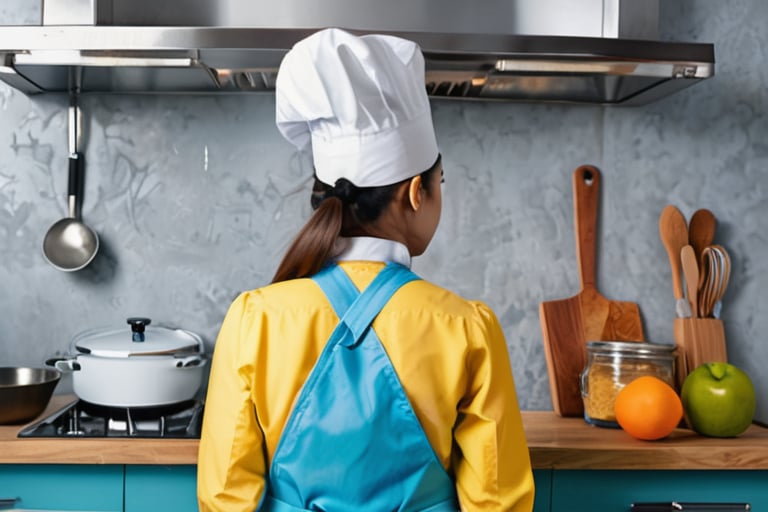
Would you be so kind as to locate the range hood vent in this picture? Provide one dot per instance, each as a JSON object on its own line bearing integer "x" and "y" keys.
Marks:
{"x": 537, "y": 60}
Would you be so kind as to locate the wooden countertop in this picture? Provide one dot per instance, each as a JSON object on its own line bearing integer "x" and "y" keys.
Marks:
{"x": 570, "y": 443}
{"x": 554, "y": 442}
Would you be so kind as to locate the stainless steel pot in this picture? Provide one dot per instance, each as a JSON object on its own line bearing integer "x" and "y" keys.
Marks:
{"x": 137, "y": 367}
{"x": 25, "y": 392}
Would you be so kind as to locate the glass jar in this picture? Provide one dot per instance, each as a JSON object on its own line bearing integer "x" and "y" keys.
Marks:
{"x": 611, "y": 365}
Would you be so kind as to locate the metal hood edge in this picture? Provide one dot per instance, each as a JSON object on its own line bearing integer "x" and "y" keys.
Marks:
{"x": 236, "y": 60}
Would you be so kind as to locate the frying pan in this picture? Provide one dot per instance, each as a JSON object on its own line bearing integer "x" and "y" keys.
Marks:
{"x": 25, "y": 392}
{"x": 568, "y": 324}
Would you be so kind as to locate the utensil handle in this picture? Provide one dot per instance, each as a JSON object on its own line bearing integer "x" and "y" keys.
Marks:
{"x": 586, "y": 190}
{"x": 692, "y": 507}
{"x": 691, "y": 275}
{"x": 76, "y": 168}
{"x": 75, "y": 118}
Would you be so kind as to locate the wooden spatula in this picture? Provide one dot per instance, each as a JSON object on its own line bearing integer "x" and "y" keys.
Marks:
{"x": 568, "y": 324}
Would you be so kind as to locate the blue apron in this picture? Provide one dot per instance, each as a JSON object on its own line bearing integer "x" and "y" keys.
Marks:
{"x": 353, "y": 442}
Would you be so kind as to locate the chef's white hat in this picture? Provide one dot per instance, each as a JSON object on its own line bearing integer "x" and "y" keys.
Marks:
{"x": 361, "y": 103}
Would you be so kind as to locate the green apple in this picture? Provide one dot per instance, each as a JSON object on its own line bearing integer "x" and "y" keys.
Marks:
{"x": 718, "y": 400}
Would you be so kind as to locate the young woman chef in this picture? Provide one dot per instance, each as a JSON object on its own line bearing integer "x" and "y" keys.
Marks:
{"x": 349, "y": 384}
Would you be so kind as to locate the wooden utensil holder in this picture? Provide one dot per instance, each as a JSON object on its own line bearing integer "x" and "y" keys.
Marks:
{"x": 698, "y": 340}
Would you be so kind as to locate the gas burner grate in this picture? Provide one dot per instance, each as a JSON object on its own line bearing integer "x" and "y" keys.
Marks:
{"x": 82, "y": 419}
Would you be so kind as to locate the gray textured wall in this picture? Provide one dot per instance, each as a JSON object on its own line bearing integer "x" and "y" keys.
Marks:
{"x": 195, "y": 199}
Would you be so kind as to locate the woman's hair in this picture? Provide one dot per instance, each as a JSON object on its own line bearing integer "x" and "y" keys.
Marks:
{"x": 338, "y": 210}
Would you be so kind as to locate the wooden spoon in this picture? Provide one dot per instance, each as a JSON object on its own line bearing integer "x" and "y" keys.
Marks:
{"x": 691, "y": 273}
{"x": 704, "y": 271}
{"x": 674, "y": 235}
{"x": 701, "y": 230}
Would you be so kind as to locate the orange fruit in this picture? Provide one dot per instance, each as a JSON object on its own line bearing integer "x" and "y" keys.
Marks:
{"x": 648, "y": 408}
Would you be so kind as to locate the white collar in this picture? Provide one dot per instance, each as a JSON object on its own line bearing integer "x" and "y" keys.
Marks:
{"x": 366, "y": 248}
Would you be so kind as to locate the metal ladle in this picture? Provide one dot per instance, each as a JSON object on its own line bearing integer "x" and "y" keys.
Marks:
{"x": 70, "y": 244}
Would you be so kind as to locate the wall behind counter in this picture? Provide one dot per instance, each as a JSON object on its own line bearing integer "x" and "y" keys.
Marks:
{"x": 195, "y": 199}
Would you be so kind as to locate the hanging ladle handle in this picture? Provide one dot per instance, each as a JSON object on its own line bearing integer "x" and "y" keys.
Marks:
{"x": 75, "y": 182}
{"x": 75, "y": 122}
{"x": 76, "y": 158}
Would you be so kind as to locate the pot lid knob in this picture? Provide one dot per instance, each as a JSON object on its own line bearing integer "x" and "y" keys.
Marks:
{"x": 137, "y": 327}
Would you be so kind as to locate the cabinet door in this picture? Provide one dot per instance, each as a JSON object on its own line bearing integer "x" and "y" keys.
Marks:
{"x": 543, "y": 480}
{"x": 160, "y": 488}
{"x": 63, "y": 487}
{"x": 606, "y": 491}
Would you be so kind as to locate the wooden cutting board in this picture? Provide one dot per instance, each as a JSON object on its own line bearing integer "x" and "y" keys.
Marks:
{"x": 568, "y": 324}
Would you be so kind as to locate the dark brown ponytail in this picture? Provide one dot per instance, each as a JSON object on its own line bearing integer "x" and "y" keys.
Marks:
{"x": 313, "y": 245}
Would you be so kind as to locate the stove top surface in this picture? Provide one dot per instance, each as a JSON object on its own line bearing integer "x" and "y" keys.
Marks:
{"x": 81, "y": 419}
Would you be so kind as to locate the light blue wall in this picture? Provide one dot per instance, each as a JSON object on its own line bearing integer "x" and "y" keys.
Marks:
{"x": 195, "y": 199}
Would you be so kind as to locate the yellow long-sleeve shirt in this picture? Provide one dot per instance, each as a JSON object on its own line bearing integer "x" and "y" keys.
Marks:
{"x": 449, "y": 354}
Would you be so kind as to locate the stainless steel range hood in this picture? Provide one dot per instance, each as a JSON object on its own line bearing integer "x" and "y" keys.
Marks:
{"x": 585, "y": 51}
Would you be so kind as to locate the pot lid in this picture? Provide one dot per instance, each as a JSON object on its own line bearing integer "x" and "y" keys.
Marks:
{"x": 137, "y": 340}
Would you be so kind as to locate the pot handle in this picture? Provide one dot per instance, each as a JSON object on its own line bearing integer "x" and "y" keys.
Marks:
{"x": 189, "y": 361}
{"x": 63, "y": 364}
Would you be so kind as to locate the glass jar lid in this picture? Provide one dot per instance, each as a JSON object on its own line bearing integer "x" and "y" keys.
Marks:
{"x": 634, "y": 348}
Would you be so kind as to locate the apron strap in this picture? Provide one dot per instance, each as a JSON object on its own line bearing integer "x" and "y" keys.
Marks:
{"x": 338, "y": 288}
{"x": 355, "y": 321}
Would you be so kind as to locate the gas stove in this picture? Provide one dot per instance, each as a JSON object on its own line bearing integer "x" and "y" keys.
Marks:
{"x": 82, "y": 419}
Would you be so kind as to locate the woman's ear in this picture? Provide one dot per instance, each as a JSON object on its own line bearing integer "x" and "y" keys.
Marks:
{"x": 414, "y": 192}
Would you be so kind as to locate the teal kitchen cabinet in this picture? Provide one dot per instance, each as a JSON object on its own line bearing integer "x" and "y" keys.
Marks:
{"x": 92, "y": 488}
{"x": 160, "y": 488}
{"x": 543, "y": 481}
{"x": 617, "y": 490}
{"x": 98, "y": 488}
